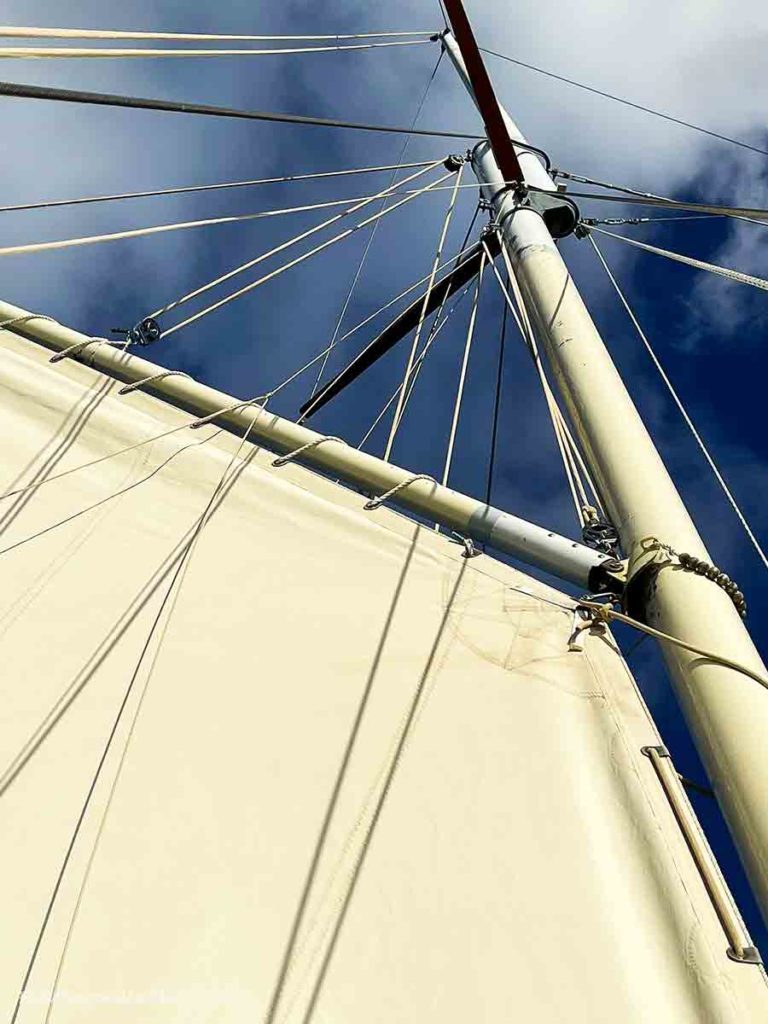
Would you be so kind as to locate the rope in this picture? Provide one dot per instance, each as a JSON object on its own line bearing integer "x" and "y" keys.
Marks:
{"x": 68, "y": 243}
{"x": 291, "y": 241}
{"x": 24, "y": 32}
{"x": 372, "y": 235}
{"x": 285, "y": 459}
{"x": 183, "y": 190}
{"x": 681, "y": 408}
{"x": 17, "y": 321}
{"x": 402, "y": 295}
{"x": 224, "y": 480}
{"x": 497, "y": 402}
{"x": 149, "y": 380}
{"x": 81, "y": 346}
{"x": 626, "y": 103}
{"x": 375, "y": 503}
{"x": 38, "y": 92}
{"x": 689, "y": 261}
{"x": 605, "y": 614}
{"x": 463, "y": 373}
{"x": 299, "y": 259}
{"x": 55, "y": 52}
{"x": 435, "y": 263}
{"x": 573, "y": 465}
{"x": 416, "y": 370}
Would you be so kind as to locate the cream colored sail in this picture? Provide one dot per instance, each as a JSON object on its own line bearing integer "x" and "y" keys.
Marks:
{"x": 499, "y": 848}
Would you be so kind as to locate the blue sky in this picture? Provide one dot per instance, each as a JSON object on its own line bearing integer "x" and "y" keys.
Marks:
{"x": 708, "y": 333}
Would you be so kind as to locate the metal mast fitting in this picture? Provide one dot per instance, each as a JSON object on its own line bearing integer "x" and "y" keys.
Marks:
{"x": 726, "y": 712}
{"x": 515, "y": 162}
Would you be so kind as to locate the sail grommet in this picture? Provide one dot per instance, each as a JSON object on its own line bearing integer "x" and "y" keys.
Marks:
{"x": 375, "y": 503}
{"x": 284, "y": 459}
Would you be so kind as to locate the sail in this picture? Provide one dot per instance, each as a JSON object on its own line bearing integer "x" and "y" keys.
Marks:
{"x": 297, "y": 760}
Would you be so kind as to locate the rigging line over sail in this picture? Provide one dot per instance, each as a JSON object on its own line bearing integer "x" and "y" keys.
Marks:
{"x": 79, "y": 53}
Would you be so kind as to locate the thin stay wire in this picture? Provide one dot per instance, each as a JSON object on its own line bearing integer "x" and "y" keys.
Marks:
{"x": 300, "y": 259}
{"x": 372, "y": 236}
{"x": 185, "y": 189}
{"x": 463, "y": 372}
{"x": 290, "y": 242}
{"x": 626, "y": 102}
{"x": 435, "y": 263}
{"x": 681, "y": 408}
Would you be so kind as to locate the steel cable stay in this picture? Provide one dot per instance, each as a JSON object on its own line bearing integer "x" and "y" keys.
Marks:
{"x": 626, "y": 102}
{"x": 396, "y": 419}
{"x": 185, "y": 189}
{"x": 374, "y": 231}
{"x": 689, "y": 261}
{"x": 360, "y": 204}
{"x": 297, "y": 260}
{"x": 752, "y": 214}
{"x": 84, "y": 53}
{"x": 227, "y": 479}
{"x": 681, "y": 408}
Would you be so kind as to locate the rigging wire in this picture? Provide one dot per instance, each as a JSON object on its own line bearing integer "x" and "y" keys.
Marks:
{"x": 435, "y": 263}
{"x": 497, "y": 400}
{"x": 60, "y": 52}
{"x": 576, "y": 471}
{"x": 25, "y": 32}
{"x": 438, "y": 312}
{"x": 299, "y": 259}
{"x": 69, "y": 243}
{"x": 681, "y": 408}
{"x": 291, "y": 241}
{"x": 227, "y": 478}
{"x": 184, "y": 189}
{"x": 40, "y": 92}
{"x": 756, "y": 215}
{"x": 463, "y": 372}
{"x": 372, "y": 236}
{"x": 689, "y": 261}
{"x": 626, "y": 102}
{"x": 417, "y": 367}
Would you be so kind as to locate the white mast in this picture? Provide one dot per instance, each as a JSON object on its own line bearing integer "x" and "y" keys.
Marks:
{"x": 726, "y": 712}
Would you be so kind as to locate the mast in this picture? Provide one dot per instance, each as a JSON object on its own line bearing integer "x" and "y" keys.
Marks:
{"x": 726, "y": 712}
